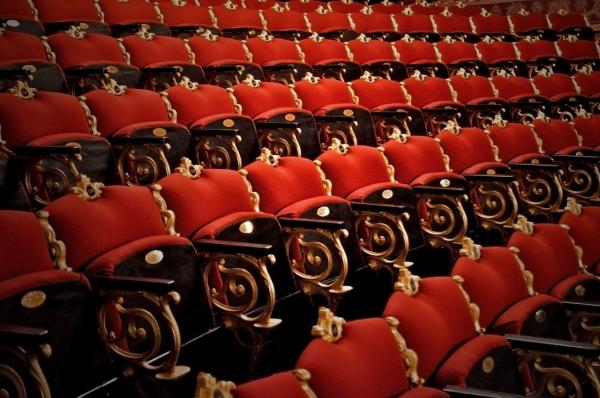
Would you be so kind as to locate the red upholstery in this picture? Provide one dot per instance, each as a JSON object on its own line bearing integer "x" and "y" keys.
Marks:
{"x": 206, "y": 100}
{"x": 556, "y": 84}
{"x": 359, "y": 167}
{"x": 220, "y": 51}
{"x": 374, "y": 22}
{"x": 514, "y": 86}
{"x": 285, "y": 20}
{"x": 59, "y": 11}
{"x": 327, "y": 92}
{"x": 491, "y": 24}
{"x": 565, "y": 287}
{"x": 457, "y": 51}
{"x": 132, "y": 11}
{"x": 425, "y": 92}
{"x": 274, "y": 51}
{"x": 37, "y": 280}
{"x": 15, "y": 9}
{"x": 324, "y": 51}
{"x": 418, "y": 156}
{"x": 239, "y": 18}
{"x": 588, "y": 83}
{"x": 531, "y": 51}
{"x": 348, "y": 7}
{"x": 497, "y": 51}
{"x": 587, "y": 128}
{"x": 512, "y": 319}
{"x": 278, "y": 385}
{"x": 215, "y": 227}
{"x": 267, "y": 96}
{"x": 388, "y": 7}
{"x": 221, "y": 192}
{"x": 468, "y": 148}
{"x": 122, "y": 215}
{"x": 532, "y": 21}
{"x": 23, "y": 245}
{"x": 452, "y": 24}
{"x": 555, "y": 134}
{"x": 185, "y": 15}
{"x": 297, "y": 209}
{"x": 416, "y": 51}
{"x": 366, "y": 353}
{"x": 416, "y": 23}
{"x": 330, "y": 22}
{"x": 578, "y": 49}
{"x": 159, "y": 49}
{"x": 513, "y": 140}
{"x": 379, "y": 93}
{"x": 17, "y": 46}
{"x": 48, "y": 113}
{"x": 298, "y": 5}
{"x": 472, "y": 88}
{"x": 278, "y": 186}
{"x": 371, "y": 51}
{"x": 548, "y": 253}
{"x": 94, "y": 48}
{"x": 569, "y": 20}
{"x": 438, "y": 306}
{"x": 141, "y": 106}
{"x": 584, "y": 230}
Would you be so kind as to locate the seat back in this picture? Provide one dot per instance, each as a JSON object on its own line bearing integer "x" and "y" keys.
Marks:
{"x": 24, "y": 17}
{"x": 588, "y": 82}
{"x": 514, "y": 140}
{"x": 210, "y": 49}
{"x": 265, "y": 97}
{"x": 186, "y": 14}
{"x": 470, "y": 147}
{"x": 119, "y": 15}
{"x": 455, "y": 51}
{"x": 495, "y": 51}
{"x": 57, "y": 15}
{"x": 414, "y": 157}
{"x": 328, "y": 23}
{"x": 584, "y": 224}
{"x": 279, "y": 21}
{"x": 415, "y": 51}
{"x": 471, "y": 87}
{"x": 554, "y": 84}
{"x": 452, "y": 24}
{"x": 82, "y": 49}
{"x": 528, "y": 22}
{"x": 269, "y": 50}
{"x": 147, "y": 50}
{"x": 490, "y": 24}
{"x": 512, "y": 86}
{"x": 531, "y": 50}
{"x": 377, "y": 93}
{"x": 371, "y": 22}
{"x": 415, "y": 24}
{"x": 238, "y": 22}
{"x": 364, "y": 50}
{"x": 424, "y": 90}
{"x": 556, "y": 135}
{"x": 323, "y": 50}
{"x": 579, "y": 48}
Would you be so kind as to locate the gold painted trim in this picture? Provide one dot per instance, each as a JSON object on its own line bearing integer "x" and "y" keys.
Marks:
{"x": 411, "y": 358}
{"x": 391, "y": 170}
{"x": 524, "y": 225}
{"x": 207, "y": 386}
{"x": 329, "y": 327}
{"x": 168, "y": 216}
{"x": 22, "y": 90}
{"x": 86, "y": 189}
{"x": 473, "y": 308}
{"x": 91, "y": 119}
{"x": 470, "y": 249}
{"x": 188, "y": 169}
{"x": 268, "y": 158}
{"x": 303, "y": 377}
{"x": 254, "y": 196}
{"x": 573, "y": 206}
{"x": 527, "y": 275}
{"x": 407, "y": 283}
{"x": 327, "y": 185}
{"x": 57, "y": 249}
{"x": 170, "y": 110}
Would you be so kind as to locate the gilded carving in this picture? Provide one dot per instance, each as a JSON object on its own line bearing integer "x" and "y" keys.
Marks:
{"x": 474, "y": 308}
{"x": 527, "y": 275}
{"x": 56, "y": 247}
{"x": 407, "y": 283}
{"x": 22, "y": 90}
{"x": 86, "y": 189}
{"x": 254, "y": 196}
{"x": 268, "y": 158}
{"x": 251, "y": 81}
{"x": 411, "y": 359}
{"x": 208, "y": 387}
{"x": 470, "y": 249}
{"x": 337, "y": 146}
{"x": 327, "y": 185}
{"x": 188, "y": 169}
{"x": 329, "y": 327}
{"x": 573, "y": 206}
{"x": 524, "y": 225}
{"x": 168, "y": 216}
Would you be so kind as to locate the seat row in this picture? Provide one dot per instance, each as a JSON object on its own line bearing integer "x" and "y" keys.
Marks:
{"x": 180, "y": 17}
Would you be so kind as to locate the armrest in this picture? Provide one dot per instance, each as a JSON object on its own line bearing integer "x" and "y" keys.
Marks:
{"x": 333, "y": 118}
{"x": 138, "y": 140}
{"x": 394, "y": 113}
{"x": 14, "y": 72}
{"x": 312, "y": 223}
{"x": 276, "y": 125}
{"x": 577, "y": 158}
{"x": 433, "y": 189}
{"x": 533, "y": 166}
{"x": 227, "y": 246}
{"x": 211, "y": 132}
{"x": 566, "y": 347}
{"x": 470, "y": 392}
{"x": 221, "y": 68}
{"x": 25, "y": 150}
{"x": 490, "y": 177}
{"x": 22, "y": 335}
{"x": 579, "y": 305}
{"x": 131, "y": 283}
{"x": 368, "y": 206}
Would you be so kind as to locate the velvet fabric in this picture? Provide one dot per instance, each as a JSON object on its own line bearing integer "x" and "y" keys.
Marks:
{"x": 379, "y": 93}
{"x": 457, "y": 51}
{"x": 427, "y": 91}
{"x": 316, "y": 52}
{"x": 134, "y": 11}
{"x": 94, "y": 48}
{"x": 416, "y": 51}
{"x": 471, "y": 88}
{"x": 221, "y": 51}
{"x": 205, "y": 101}
{"x": 286, "y": 20}
{"x": 15, "y": 46}
{"x": 23, "y": 247}
{"x": 588, "y": 83}
{"x": 491, "y": 24}
{"x": 587, "y": 128}
{"x": 496, "y": 51}
{"x": 555, "y": 134}
{"x": 513, "y": 140}
{"x": 188, "y": 15}
{"x": 275, "y": 51}
{"x": 327, "y": 92}
{"x": 122, "y": 214}
{"x": 330, "y": 22}
{"x": 584, "y": 229}
{"x": 579, "y": 49}
{"x": 55, "y": 113}
{"x": 240, "y": 18}
{"x": 438, "y": 306}
{"x": 17, "y": 8}
{"x": 60, "y": 11}
{"x": 452, "y": 24}
{"x": 159, "y": 49}
{"x": 415, "y": 23}
{"x": 267, "y": 97}
{"x": 558, "y": 84}
{"x": 418, "y": 156}
{"x": 367, "y": 352}
{"x": 512, "y": 87}
{"x": 560, "y": 21}
{"x": 374, "y": 22}
{"x": 531, "y": 21}
{"x": 278, "y": 385}
{"x": 531, "y": 51}
{"x": 468, "y": 148}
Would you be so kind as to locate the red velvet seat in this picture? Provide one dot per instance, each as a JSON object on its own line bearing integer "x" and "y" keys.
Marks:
{"x": 587, "y": 128}
{"x": 306, "y": 6}
{"x": 455, "y": 26}
{"x": 479, "y": 96}
{"x": 224, "y": 59}
{"x": 589, "y": 82}
{"x": 41, "y": 119}
{"x": 571, "y": 23}
{"x": 59, "y": 15}
{"x": 125, "y": 17}
{"x": 548, "y": 252}
{"x": 149, "y": 121}
{"x": 584, "y": 224}
{"x": 532, "y": 24}
{"x": 501, "y": 55}
{"x": 333, "y": 99}
{"x": 283, "y": 126}
{"x": 536, "y": 52}
{"x": 86, "y": 57}
{"x": 164, "y": 60}
{"x": 461, "y": 55}
{"x": 578, "y": 52}
{"x": 287, "y": 24}
{"x": 21, "y": 17}
{"x": 415, "y": 25}
{"x": 378, "y": 57}
{"x": 330, "y": 24}
{"x": 452, "y": 355}
{"x": 420, "y": 55}
{"x": 374, "y": 24}
{"x": 239, "y": 23}
{"x": 347, "y": 6}
{"x": 18, "y": 50}
{"x": 329, "y": 57}
{"x": 207, "y": 111}
{"x": 523, "y": 97}
{"x": 185, "y": 19}
{"x": 366, "y": 351}
{"x": 492, "y": 25}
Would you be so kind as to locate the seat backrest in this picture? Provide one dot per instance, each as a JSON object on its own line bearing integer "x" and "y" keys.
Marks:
{"x": 199, "y": 101}
{"x": 266, "y": 96}
{"x": 573, "y": 49}
{"x": 151, "y": 49}
{"x": 273, "y": 50}
{"x": 438, "y": 306}
{"x": 496, "y": 51}
{"x": 456, "y": 51}
{"x": 284, "y": 20}
{"x": 317, "y": 94}
{"x": 584, "y": 225}
{"x": 415, "y": 23}
{"x": 211, "y": 49}
{"x": 185, "y": 14}
{"x": 415, "y": 157}
{"x": 427, "y": 89}
{"x": 548, "y": 252}
{"x": 17, "y": 9}
{"x": 589, "y": 83}
{"x": 62, "y": 11}
{"x": 491, "y": 23}
{"x": 358, "y": 167}
{"x": 366, "y": 50}
{"x": 125, "y": 214}
{"x": 15, "y": 46}
{"x": 495, "y": 266}
{"x": 126, "y": 12}
{"x": 45, "y": 113}
{"x": 510, "y": 86}
{"x": 471, "y": 87}
{"x": 378, "y": 92}
{"x": 512, "y": 140}
{"x": 306, "y": 6}
{"x": 528, "y": 22}
{"x": 469, "y": 147}
{"x": 554, "y": 84}
{"x": 278, "y": 385}
{"x": 373, "y": 22}
{"x": 323, "y": 50}
{"x": 92, "y": 48}
{"x": 531, "y": 50}
{"x": 237, "y": 18}
{"x": 367, "y": 351}
{"x": 586, "y": 127}
{"x": 279, "y": 185}
{"x": 555, "y": 134}
{"x": 412, "y": 51}
{"x": 331, "y": 21}
{"x": 347, "y": 6}
{"x": 452, "y": 23}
